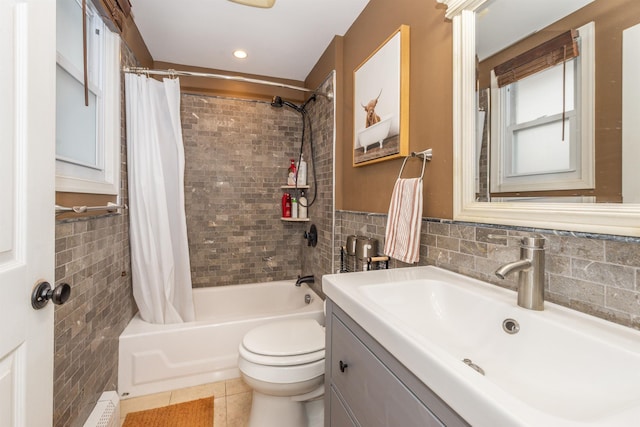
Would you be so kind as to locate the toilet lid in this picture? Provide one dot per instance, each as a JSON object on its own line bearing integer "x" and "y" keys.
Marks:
{"x": 285, "y": 338}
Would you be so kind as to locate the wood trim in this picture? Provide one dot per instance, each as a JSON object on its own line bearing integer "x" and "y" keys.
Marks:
{"x": 116, "y": 14}
{"x": 125, "y": 7}
{"x": 128, "y": 32}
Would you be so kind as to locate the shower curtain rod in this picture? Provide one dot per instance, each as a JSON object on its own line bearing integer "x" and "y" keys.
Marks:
{"x": 172, "y": 73}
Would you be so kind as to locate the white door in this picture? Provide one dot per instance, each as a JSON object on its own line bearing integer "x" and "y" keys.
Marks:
{"x": 27, "y": 149}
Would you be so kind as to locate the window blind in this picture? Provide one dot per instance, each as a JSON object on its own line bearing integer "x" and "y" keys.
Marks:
{"x": 546, "y": 55}
{"x": 117, "y": 10}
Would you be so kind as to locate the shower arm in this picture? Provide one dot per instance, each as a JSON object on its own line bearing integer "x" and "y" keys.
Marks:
{"x": 173, "y": 73}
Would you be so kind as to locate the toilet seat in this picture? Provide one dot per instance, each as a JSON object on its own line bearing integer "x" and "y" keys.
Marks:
{"x": 299, "y": 359}
{"x": 285, "y": 351}
{"x": 284, "y": 343}
{"x": 282, "y": 374}
{"x": 285, "y": 338}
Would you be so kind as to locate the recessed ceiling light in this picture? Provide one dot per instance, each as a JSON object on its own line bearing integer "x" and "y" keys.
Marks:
{"x": 240, "y": 54}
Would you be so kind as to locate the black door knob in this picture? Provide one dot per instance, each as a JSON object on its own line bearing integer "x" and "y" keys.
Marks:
{"x": 42, "y": 293}
{"x": 343, "y": 366}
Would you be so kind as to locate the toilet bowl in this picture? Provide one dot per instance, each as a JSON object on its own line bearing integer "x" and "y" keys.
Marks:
{"x": 283, "y": 362}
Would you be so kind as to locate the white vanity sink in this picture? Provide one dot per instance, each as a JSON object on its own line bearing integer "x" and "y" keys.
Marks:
{"x": 562, "y": 368}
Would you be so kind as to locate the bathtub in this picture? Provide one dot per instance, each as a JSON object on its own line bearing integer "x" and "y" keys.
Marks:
{"x": 155, "y": 358}
{"x": 375, "y": 134}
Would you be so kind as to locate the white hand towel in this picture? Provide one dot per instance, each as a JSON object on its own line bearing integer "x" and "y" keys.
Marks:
{"x": 404, "y": 223}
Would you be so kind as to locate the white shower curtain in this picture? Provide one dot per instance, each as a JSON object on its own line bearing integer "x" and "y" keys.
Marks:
{"x": 159, "y": 250}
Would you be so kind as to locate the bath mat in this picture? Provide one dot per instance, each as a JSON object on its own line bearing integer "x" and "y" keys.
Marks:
{"x": 197, "y": 413}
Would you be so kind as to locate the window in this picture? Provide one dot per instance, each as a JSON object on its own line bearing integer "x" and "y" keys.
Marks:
{"x": 544, "y": 140}
{"x": 87, "y": 137}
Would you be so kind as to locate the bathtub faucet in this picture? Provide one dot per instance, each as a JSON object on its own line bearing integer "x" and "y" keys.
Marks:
{"x": 305, "y": 279}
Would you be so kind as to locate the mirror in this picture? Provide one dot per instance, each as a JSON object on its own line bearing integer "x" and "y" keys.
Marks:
{"x": 546, "y": 209}
{"x": 528, "y": 153}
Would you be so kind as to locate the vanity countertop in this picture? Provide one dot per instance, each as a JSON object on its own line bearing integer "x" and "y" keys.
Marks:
{"x": 560, "y": 367}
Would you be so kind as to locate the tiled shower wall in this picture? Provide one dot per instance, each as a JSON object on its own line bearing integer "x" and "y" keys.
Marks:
{"x": 237, "y": 154}
{"x": 92, "y": 255}
{"x": 317, "y": 260}
{"x": 598, "y": 275}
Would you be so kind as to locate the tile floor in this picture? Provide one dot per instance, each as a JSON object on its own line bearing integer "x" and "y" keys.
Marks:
{"x": 231, "y": 404}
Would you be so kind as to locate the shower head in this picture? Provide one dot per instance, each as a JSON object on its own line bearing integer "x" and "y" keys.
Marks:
{"x": 278, "y": 102}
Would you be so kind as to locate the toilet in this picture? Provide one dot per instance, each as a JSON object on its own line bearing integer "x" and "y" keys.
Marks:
{"x": 283, "y": 362}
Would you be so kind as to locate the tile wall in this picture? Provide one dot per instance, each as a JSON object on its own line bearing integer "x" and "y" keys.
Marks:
{"x": 92, "y": 255}
{"x": 238, "y": 152}
{"x": 595, "y": 274}
{"x": 318, "y": 260}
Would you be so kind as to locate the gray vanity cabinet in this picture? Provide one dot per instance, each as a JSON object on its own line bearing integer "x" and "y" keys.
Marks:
{"x": 367, "y": 387}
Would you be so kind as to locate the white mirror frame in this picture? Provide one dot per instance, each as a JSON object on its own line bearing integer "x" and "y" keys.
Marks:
{"x": 601, "y": 218}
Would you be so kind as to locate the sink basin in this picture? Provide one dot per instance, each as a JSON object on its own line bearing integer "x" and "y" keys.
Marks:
{"x": 493, "y": 362}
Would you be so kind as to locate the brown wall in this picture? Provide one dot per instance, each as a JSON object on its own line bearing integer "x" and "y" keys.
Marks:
{"x": 369, "y": 188}
{"x": 610, "y": 18}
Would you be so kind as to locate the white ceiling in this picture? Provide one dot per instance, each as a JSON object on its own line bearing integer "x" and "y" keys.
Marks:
{"x": 285, "y": 41}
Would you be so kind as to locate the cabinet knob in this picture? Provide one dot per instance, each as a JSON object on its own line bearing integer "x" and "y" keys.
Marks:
{"x": 343, "y": 366}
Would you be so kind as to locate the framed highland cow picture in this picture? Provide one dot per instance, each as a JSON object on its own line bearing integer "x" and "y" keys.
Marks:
{"x": 381, "y": 102}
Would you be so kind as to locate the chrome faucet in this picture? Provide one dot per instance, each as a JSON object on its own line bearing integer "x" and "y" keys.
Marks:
{"x": 530, "y": 269}
{"x": 305, "y": 279}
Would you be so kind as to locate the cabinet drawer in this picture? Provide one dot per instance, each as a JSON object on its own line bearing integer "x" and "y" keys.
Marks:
{"x": 374, "y": 394}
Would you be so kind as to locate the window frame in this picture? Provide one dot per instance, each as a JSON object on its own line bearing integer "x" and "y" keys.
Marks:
{"x": 104, "y": 82}
{"x": 581, "y": 172}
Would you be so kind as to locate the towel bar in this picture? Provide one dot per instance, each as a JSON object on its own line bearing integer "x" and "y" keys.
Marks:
{"x": 82, "y": 209}
{"x": 426, "y": 154}
{"x": 426, "y": 157}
